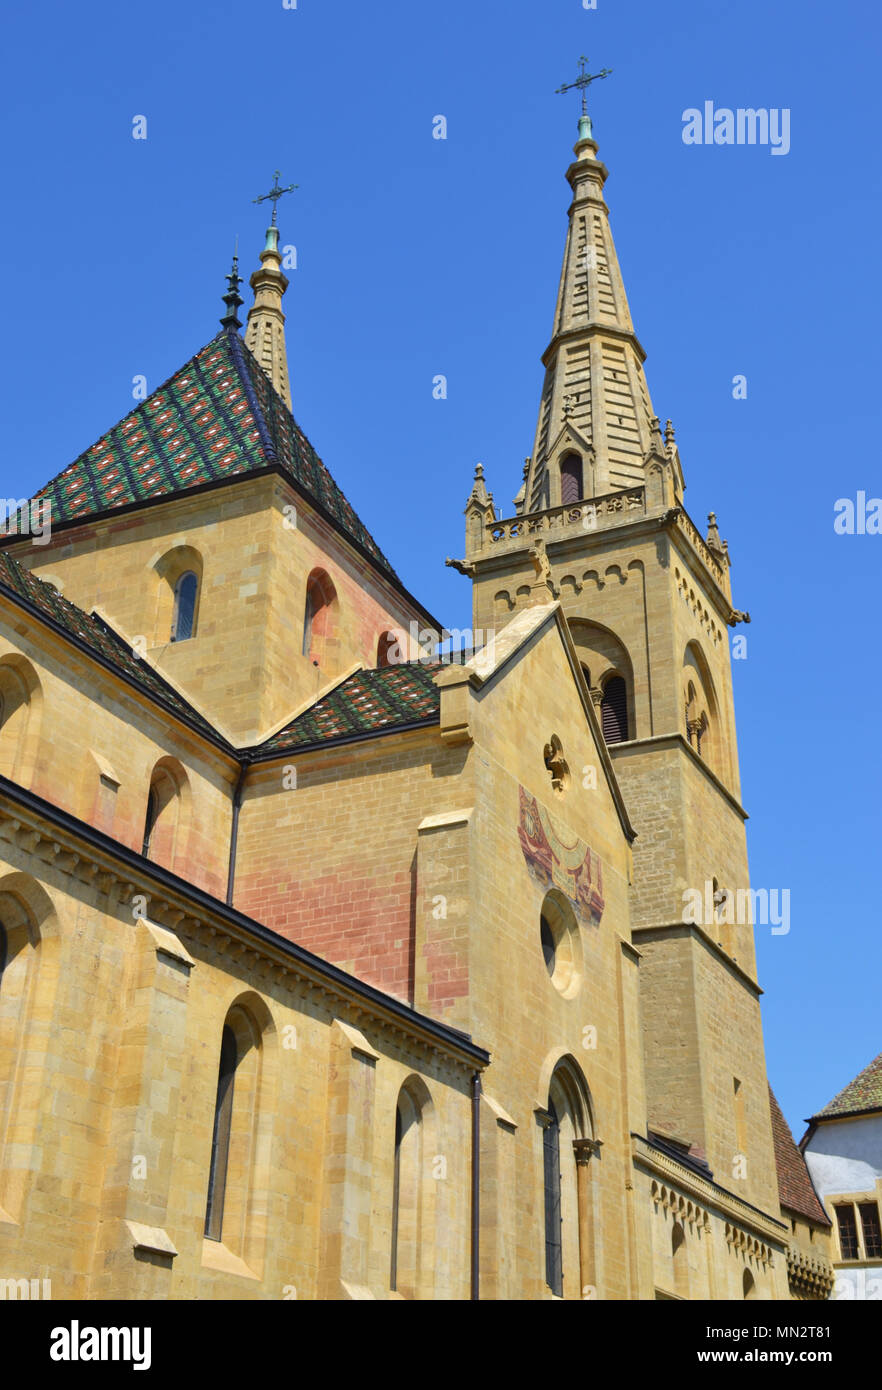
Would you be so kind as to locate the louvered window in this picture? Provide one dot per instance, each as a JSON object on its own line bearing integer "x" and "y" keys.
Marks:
{"x": 570, "y": 479}
{"x": 872, "y": 1235}
{"x": 553, "y": 1248}
{"x": 848, "y": 1241}
{"x": 614, "y": 710}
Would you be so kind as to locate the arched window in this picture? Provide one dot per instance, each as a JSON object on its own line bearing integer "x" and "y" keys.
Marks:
{"x": 748, "y": 1285}
{"x": 167, "y": 813}
{"x": 220, "y": 1141}
{"x": 20, "y": 705}
{"x": 389, "y": 651}
{"x": 569, "y": 1155}
{"x": 553, "y": 1220}
{"x": 321, "y": 600}
{"x": 614, "y": 710}
{"x": 410, "y": 1198}
{"x": 184, "y": 619}
{"x": 570, "y": 479}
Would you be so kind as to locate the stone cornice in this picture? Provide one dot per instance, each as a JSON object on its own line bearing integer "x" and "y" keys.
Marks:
{"x": 45, "y": 832}
{"x": 710, "y": 1194}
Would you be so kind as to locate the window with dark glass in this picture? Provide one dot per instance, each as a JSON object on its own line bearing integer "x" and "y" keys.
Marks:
{"x": 220, "y": 1142}
{"x": 4, "y": 948}
{"x": 872, "y": 1235}
{"x": 553, "y": 1242}
{"x": 185, "y": 607}
{"x": 848, "y": 1241}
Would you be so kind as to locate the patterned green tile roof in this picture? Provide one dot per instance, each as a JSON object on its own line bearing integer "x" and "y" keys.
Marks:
{"x": 364, "y": 703}
{"x": 864, "y": 1093}
{"x": 216, "y": 418}
{"x": 91, "y": 630}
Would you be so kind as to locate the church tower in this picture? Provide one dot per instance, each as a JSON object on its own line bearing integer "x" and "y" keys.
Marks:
{"x": 600, "y": 524}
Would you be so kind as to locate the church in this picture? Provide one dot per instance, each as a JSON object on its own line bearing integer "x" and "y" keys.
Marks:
{"x": 338, "y": 965}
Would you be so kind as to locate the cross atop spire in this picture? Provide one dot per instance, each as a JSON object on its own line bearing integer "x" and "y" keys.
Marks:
{"x": 582, "y": 83}
{"x": 274, "y": 195}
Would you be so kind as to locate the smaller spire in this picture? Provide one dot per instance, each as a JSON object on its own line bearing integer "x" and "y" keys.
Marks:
{"x": 233, "y": 298}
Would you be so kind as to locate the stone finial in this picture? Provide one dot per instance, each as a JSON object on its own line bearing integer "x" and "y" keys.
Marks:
{"x": 713, "y": 535}
{"x": 656, "y": 443}
{"x": 670, "y": 437}
{"x": 479, "y": 491}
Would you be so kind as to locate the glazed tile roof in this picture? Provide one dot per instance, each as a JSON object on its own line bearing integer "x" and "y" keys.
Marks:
{"x": 795, "y": 1186}
{"x": 864, "y": 1093}
{"x": 96, "y": 634}
{"x": 364, "y": 703}
{"x": 216, "y": 418}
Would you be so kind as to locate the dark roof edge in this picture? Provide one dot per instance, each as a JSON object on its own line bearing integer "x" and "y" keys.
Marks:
{"x": 822, "y": 1118}
{"x": 252, "y": 755}
{"x": 208, "y": 735}
{"x": 451, "y": 1038}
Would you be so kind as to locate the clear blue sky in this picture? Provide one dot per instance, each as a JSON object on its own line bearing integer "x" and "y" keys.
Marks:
{"x": 419, "y": 256}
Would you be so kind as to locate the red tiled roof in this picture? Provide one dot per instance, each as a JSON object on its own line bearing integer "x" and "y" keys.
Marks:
{"x": 795, "y": 1186}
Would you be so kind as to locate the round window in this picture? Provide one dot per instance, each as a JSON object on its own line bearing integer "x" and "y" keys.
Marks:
{"x": 561, "y": 943}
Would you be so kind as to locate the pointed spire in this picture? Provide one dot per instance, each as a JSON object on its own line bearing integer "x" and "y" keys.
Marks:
{"x": 233, "y": 298}
{"x": 595, "y": 400}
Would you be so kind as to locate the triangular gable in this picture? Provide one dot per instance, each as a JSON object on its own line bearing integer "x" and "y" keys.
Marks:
{"x": 490, "y": 662}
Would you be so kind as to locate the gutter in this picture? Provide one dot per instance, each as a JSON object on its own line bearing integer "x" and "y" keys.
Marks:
{"x": 476, "y": 1187}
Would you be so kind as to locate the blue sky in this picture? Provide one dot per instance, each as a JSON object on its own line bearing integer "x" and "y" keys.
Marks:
{"x": 418, "y": 256}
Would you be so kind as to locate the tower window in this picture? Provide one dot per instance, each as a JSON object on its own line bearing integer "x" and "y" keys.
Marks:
{"x": 184, "y": 621}
{"x": 614, "y": 710}
{"x": 570, "y": 479}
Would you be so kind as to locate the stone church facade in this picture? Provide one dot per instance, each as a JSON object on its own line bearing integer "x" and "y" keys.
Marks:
{"x": 336, "y": 969}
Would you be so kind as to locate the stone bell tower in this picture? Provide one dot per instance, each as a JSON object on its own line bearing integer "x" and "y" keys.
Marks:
{"x": 649, "y": 603}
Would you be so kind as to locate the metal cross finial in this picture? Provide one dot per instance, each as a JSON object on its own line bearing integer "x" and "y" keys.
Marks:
{"x": 583, "y": 82}
{"x": 274, "y": 195}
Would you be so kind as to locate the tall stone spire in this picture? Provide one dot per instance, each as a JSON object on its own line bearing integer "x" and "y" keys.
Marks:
{"x": 595, "y": 401}
{"x": 265, "y": 331}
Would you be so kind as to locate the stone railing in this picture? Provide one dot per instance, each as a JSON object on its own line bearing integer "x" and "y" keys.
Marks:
{"x": 591, "y": 515}
{"x": 686, "y": 524}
